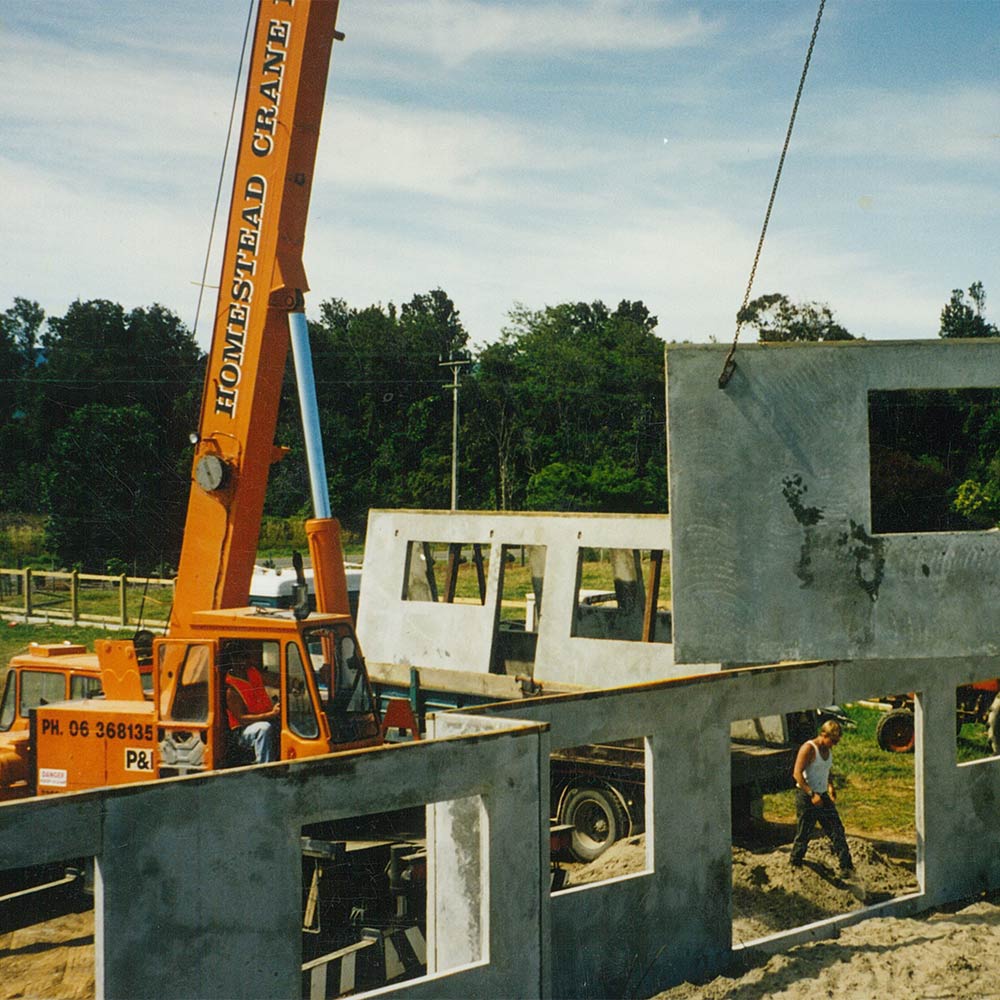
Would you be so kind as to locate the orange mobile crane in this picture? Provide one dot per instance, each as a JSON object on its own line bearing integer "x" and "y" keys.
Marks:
{"x": 312, "y": 661}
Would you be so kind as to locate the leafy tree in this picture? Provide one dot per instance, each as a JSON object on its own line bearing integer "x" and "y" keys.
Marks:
{"x": 962, "y": 319}
{"x": 605, "y": 486}
{"x": 493, "y": 424}
{"x": 104, "y": 490}
{"x": 567, "y": 390}
{"x": 778, "y": 319}
{"x": 19, "y": 329}
{"x": 100, "y": 363}
{"x": 98, "y": 353}
{"x": 559, "y": 486}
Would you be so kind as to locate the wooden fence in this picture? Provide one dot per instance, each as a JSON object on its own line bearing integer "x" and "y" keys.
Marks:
{"x": 76, "y": 597}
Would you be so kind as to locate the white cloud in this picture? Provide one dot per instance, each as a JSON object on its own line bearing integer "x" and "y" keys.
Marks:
{"x": 456, "y": 31}
{"x": 943, "y": 124}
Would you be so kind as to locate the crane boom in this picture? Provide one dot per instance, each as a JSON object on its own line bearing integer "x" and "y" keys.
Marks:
{"x": 262, "y": 281}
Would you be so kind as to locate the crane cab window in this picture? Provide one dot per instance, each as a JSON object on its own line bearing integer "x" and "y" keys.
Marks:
{"x": 84, "y": 687}
{"x": 301, "y": 715}
{"x": 343, "y": 683}
{"x": 9, "y": 702}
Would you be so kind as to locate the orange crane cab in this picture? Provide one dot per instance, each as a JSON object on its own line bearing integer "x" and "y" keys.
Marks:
{"x": 313, "y": 669}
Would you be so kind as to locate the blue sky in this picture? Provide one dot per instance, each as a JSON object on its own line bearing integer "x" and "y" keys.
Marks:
{"x": 531, "y": 153}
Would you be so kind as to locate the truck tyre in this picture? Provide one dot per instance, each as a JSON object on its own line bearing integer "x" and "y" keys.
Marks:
{"x": 896, "y": 731}
{"x": 598, "y": 817}
{"x": 993, "y": 724}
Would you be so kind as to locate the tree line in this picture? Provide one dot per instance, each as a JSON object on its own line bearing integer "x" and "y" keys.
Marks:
{"x": 564, "y": 411}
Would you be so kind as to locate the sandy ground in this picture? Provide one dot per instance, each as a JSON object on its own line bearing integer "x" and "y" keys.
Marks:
{"x": 937, "y": 955}
{"x": 49, "y": 960}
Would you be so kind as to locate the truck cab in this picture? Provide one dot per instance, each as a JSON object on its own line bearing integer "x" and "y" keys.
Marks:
{"x": 46, "y": 673}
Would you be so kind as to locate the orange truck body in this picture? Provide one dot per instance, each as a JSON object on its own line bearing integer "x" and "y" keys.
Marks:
{"x": 46, "y": 673}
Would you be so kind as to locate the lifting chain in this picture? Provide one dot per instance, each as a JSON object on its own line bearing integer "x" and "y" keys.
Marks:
{"x": 729, "y": 365}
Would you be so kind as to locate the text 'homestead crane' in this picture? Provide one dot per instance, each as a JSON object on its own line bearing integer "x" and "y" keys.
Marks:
{"x": 310, "y": 663}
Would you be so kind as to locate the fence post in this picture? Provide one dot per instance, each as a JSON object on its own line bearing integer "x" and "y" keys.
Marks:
{"x": 123, "y": 603}
{"x": 74, "y": 596}
{"x": 27, "y": 592}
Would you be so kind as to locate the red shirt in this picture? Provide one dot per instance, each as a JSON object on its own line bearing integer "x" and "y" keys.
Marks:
{"x": 253, "y": 693}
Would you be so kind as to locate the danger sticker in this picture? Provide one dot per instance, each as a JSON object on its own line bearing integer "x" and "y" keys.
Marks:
{"x": 52, "y": 776}
{"x": 138, "y": 759}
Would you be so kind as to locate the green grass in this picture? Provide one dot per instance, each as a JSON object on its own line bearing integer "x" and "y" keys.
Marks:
{"x": 875, "y": 789}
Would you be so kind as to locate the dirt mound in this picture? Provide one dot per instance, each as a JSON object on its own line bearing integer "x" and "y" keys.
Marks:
{"x": 626, "y": 857}
{"x": 769, "y": 895}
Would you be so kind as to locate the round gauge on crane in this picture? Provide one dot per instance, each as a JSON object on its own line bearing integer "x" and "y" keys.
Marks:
{"x": 211, "y": 473}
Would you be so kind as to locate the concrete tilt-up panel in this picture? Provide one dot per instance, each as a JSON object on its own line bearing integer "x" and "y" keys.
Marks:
{"x": 773, "y": 554}
{"x": 400, "y": 632}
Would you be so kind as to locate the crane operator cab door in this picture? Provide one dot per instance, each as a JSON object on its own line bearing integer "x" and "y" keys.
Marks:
{"x": 187, "y": 706}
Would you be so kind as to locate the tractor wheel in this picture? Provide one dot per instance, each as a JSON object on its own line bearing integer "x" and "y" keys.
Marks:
{"x": 993, "y": 724}
{"x": 598, "y": 817}
{"x": 896, "y": 731}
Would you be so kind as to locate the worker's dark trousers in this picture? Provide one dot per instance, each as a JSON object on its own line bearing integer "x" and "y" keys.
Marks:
{"x": 807, "y": 816}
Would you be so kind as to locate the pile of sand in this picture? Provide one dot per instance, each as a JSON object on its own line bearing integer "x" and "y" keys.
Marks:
{"x": 770, "y": 896}
{"x": 942, "y": 955}
{"x": 937, "y": 955}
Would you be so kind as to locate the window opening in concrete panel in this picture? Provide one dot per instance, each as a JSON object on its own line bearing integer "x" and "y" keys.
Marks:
{"x": 977, "y": 720}
{"x": 800, "y": 858}
{"x": 47, "y": 921}
{"x": 391, "y": 897}
{"x": 522, "y": 585}
{"x": 521, "y": 588}
{"x": 622, "y": 594}
{"x": 935, "y": 459}
{"x": 446, "y": 572}
{"x": 600, "y": 809}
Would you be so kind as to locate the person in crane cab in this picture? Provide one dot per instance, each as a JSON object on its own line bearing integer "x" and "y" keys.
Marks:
{"x": 254, "y": 715}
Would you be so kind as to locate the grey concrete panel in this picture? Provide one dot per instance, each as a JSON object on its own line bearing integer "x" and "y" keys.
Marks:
{"x": 773, "y": 552}
{"x": 184, "y": 864}
{"x": 396, "y": 632}
{"x": 679, "y": 914}
{"x": 198, "y": 888}
{"x": 72, "y": 825}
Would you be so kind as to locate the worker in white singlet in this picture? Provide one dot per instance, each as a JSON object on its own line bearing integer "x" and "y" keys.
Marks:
{"x": 816, "y": 798}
